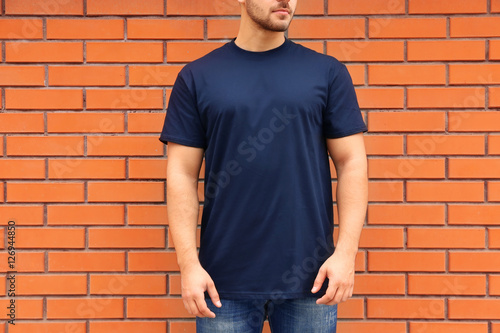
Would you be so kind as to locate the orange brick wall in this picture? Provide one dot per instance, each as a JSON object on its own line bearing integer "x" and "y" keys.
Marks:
{"x": 84, "y": 86}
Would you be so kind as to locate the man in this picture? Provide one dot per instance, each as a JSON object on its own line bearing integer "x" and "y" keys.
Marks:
{"x": 265, "y": 112}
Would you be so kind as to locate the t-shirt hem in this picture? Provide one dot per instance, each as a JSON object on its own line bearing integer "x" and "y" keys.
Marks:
{"x": 182, "y": 141}
{"x": 268, "y": 295}
{"x": 346, "y": 133}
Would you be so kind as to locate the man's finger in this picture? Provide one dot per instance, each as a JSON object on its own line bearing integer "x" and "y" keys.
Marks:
{"x": 203, "y": 308}
{"x": 214, "y": 295}
{"x": 318, "y": 282}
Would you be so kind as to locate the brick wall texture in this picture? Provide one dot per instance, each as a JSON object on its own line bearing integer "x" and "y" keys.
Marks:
{"x": 84, "y": 86}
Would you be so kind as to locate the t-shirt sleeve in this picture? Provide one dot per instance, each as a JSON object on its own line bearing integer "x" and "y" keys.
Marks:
{"x": 342, "y": 116}
{"x": 182, "y": 122}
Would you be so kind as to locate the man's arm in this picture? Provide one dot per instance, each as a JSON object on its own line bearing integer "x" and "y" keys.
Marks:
{"x": 183, "y": 168}
{"x": 349, "y": 156}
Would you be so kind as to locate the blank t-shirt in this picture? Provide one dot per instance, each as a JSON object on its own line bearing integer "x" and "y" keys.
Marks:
{"x": 262, "y": 119}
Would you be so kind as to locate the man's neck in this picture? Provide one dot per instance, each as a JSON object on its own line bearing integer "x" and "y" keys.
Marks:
{"x": 253, "y": 38}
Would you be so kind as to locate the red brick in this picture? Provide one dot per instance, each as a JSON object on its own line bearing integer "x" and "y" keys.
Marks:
{"x": 124, "y": 52}
{"x": 35, "y": 238}
{"x": 174, "y": 286}
{"x": 145, "y": 122}
{"x": 494, "y": 144}
{"x": 85, "y": 75}
{"x": 446, "y": 238}
{"x": 353, "y": 308}
{"x": 475, "y": 74}
{"x": 366, "y": 50}
{"x": 440, "y": 284}
{"x": 311, "y": 7}
{"x": 406, "y": 261}
{"x": 126, "y": 238}
{"x": 406, "y": 74}
{"x": 25, "y": 262}
{"x": 85, "y": 214}
{"x": 154, "y": 75}
{"x": 23, "y": 215}
{"x": 445, "y": 191}
{"x": 431, "y": 121}
{"x": 124, "y": 145}
{"x": 124, "y": 7}
{"x": 493, "y": 191}
{"x": 494, "y": 50}
{"x": 422, "y": 308}
{"x": 430, "y": 98}
{"x": 380, "y": 98}
{"x": 495, "y": 8}
{"x": 124, "y": 99}
{"x": 148, "y": 214}
{"x": 25, "y": 309}
{"x": 371, "y": 326}
{"x": 407, "y": 27}
{"x": 21, "y": 28}
{"x": 152, "y": 261}
{"x": 448, "y": 327}
{"x": 52, "y": 284}
{"x": 357, "y": 73}
{"x": 484, "y": 121}
{"x": 321, "y": 28}
{"x": 445, "y": 144}
{"x": 45, "y": 192}
{"x": 48, "y": 327}
{"x": 384, "y": 144}
{"x": 449, "y": 50}
{"x": 385, "y": 191}
{"x": 128, "y": 284}
{"x": 147, "y": 168}
{"x": 474, "y": 308}
{"x": 85, "y": 122}
{"x": 127, "y": 326}
{"x": 2, "y": 192}
{"x": 85, "y": 308}
{"x": 189, "y": 51}
{"x": 22, "y": 168}
{"x": 494, "y": 97}
{"x": 205, "y": 8}
{"x": 381, "y": 238}
{"x": 87, "y": 28}
{"x": 474, "y": 27}
{"x": 446, "y": 7}
{"x": 27, "y": 98}
{"x": 43, "y": 7}
{"x": 156, "y": 308}
{"x": 493, "y": 238}
{"x": 164, "y": 29}
{"x": 38, "y": 52}
{"x": 473, "y": 214}
{"x": 474, "y": 168}
{"x": 373, "y": 7}
{"x": 77, "y": 261}
{"x": 223, "y": 28}
{"x": 406, "y": 214}
{"x": 461, "y": 261}
{"x": 379, "y": 284}
{"x": 86, "y": 168}
{"x": 126, "y": 191}
{"x": 22, "y": 75}
{"x": 494, "y": 285}
{"x": 406, "y": 168}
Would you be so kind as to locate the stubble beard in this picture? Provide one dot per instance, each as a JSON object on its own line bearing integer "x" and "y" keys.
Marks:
{"x": 259, "y": 16}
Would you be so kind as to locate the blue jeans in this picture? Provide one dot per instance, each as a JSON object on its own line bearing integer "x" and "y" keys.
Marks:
{"x": 285, "y": 316}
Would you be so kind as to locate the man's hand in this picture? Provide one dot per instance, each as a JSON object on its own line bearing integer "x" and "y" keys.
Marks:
{"x": 195, "y": 281}
{"x": 339, "y": 269}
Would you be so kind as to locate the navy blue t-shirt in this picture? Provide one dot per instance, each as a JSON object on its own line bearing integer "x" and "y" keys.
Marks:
{"x": 263, "y": 119}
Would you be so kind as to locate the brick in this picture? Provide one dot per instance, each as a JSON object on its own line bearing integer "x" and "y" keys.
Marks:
{"x": 407, "y": 28}
{"x": 494, "y": 100}
{"x": 25, "y": 262}
{"x": 21, "y": 28}
{"x": 493, "y": 238}
{"x": 128, "y": 284}
{"x": 223, "y": 28}
{"x": 311, "y": 7}
{"x": 164, "y": 29}
{"x": 406, "y": 74}
{"x": 152, "y": 261}
{"x": 379, "y": 284}
{"x": 493, "y": 191}
{"x": 45, "y": 192}
{"x": 473, "y": 214}
{"x": 22, "y": 75}
{"x": 385, "y": 191}
{"x": 2, "y": 192}
{"x": 208, "y": 8}
{"x": 153, "y": 75}
{"x": 448, "y": 144}
{"x": 494, "y": 50}
{"x": 445, "y": 7}
{"x": 85, "y": 308}
{"x": 446, "y": 238}
{"x": 1, "y": 139}
{"x": 189, "y": 51}
{"x": 448, "y": 191}
{"x": 423, "y": 308}
{"x": 474, "y": 308}
{"x": 51, "y": 284}
{"x": 494, "y": 285}
{"x": 431, "y": 98}
{"x": 124, "y": 146}
{"x": 320, "y": 28}
{"x": 495, "y": 8}
{"x": 27, "y": 98}
{"x": 462, "y": 261}
{"x": 124, "y": 52}
{"x": 146, "y": 168}
{"x": 48, "y": 327}
{"x": 85, "y": 122}
{"x": 392, "y": 168}
{"x": 449, "y": 50}
{"x": 374, "y": 7}
{"x": 86, "y": 169}
{"x": 77, "y": 261}
{"x": 38, "y": 52}
{"x": 448, "y": 327}
{"x": 353, "y": 308}
{"x": 474, "y": 168}
{"x": 124, "y": 99}
{"x": 408, "y": 121}
{"x": 357, "y": 73}
{"x": 474, "y": 27}
{"x": 371, "y": 326}
{"x": 25, "y": 309}
{"x": 148, "y": 214}
{"x": 39, "y": 238}
{"x": 174, "y": 286}
{"x": 406, "y": 261}
{"x": 23, "y": 215}
{"x": 449, "y": 284}
{"x": 85, "y": 75}
{"x": 22, "y": 168}
{"x": 156, "y": 308}
{"x": 43, "y": 7}
{"x": 384, "y": 144}
{"x": 463, "y": 121}
{"x": 145, "y": 122}
{"x": 87, "y": 28}
{"x": 364, "y": 51}
{"x": 415, "y": 214}
{"x": 127, "y": 326}
{"x": 127, "y": 7}
{"x": 85, "y": 215}
{"x": 126, "y": 238}
{"x": 126, "y": 191}
{"x": 475, "y": 74}
{"x": 380, "y": 98}
{"x": 45, "y": 146}
{"x": 493, "y": 144}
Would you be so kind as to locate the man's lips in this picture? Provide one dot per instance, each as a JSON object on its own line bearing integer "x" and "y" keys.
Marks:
{"x": 281, "y": 11}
